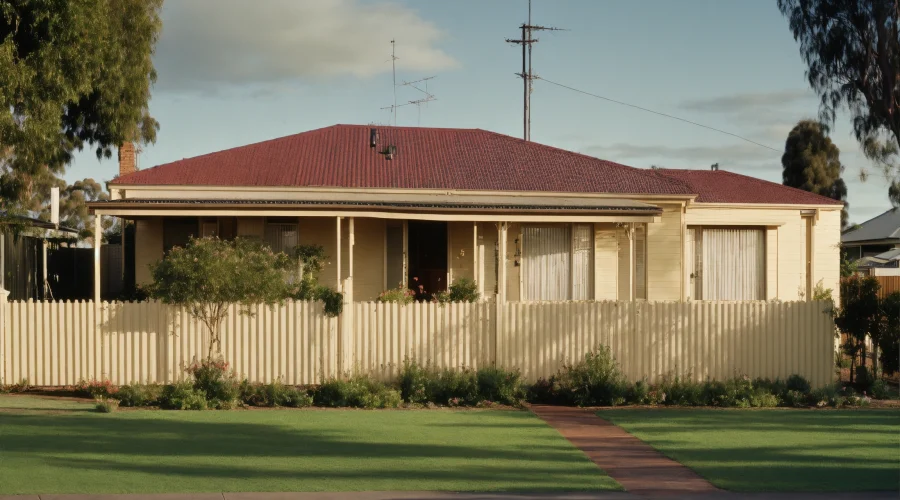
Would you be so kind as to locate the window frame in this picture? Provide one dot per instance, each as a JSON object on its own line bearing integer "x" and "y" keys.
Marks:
{"x": 570, "y": 286}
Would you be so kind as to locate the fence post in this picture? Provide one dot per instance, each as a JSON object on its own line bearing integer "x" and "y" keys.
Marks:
{"x": 4, "y": 314}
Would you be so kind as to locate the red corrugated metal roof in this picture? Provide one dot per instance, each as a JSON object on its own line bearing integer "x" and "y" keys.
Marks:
{"x": 427, "y": 158}
{"x": 441, "y": 158}
{"x": 720, "y": 186}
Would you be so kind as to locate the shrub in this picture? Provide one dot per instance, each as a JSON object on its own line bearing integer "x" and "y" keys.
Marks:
{"x": 416, "y": 383}
{"x": 400, "y": 295}
{"x": 680, "y": 392}
{"x": 95, "y": 388}
{"x": 761, "y": 398}
{"x": 274, "y": 395}
{"x": 216, "y": 381}
{"x": 106, "y": 404}
{"x": 139, "y": 394}
{"x": 461, "y": 290}
{"x": 545, "y": 391}
{"x": 797, "y": 383}
{"x": 183, "y": 396}
{"x": 795, "y": 399}
{"x": 456, "y": 388}
{"x": 594, "y": 381}
{"x": 640, "y": 393}
{"x": 864, "y": 379}
{"x": 356, "y": 392}
{"x": 500, "y": 386}
{"x": 880, "y": 390}
{"x": 18, "y": 387}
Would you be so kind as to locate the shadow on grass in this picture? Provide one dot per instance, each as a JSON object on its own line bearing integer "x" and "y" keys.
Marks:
{"x": 776, "y": 450}
{"x": 336, "y": 449}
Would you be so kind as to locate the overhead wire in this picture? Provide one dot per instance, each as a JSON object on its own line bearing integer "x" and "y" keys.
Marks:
{"x": 673, "y": 117}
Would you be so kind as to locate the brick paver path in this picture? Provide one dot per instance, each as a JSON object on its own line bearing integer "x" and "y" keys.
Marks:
{"x": 633, "y": 463}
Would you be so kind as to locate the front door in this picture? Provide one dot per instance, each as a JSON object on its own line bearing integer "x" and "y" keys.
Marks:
{"x": 427, "y": 258}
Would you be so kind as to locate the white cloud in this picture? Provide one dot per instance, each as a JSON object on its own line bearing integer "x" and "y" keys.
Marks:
{"x": 697, "y": 156}
{"x": 741, "y": 103}
{"x": 207, "y": 45}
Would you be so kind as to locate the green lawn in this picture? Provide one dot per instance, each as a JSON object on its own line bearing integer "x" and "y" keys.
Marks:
{"x": 776, "y": 450}
{"x": 63, "y": 447}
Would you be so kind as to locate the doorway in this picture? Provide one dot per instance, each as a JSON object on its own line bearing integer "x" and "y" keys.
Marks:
{"x": 427, "y": 250}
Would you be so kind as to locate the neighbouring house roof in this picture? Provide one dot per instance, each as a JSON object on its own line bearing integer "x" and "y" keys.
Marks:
{"x": 892, "y": 254}
{"x": 341, "y": 156}
{"x": 33, "y": 222}
{"x": 884, "y": 228}
{"x": 720, "y": 186}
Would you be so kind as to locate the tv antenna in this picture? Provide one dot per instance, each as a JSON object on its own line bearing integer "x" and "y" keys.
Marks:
{"x": 527, "y": 75}
{"x": 416, "y": 84}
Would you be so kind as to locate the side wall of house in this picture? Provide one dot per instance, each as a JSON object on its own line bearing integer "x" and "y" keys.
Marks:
{"x": 827, "y": 249}
{"x": 786, "y": 236}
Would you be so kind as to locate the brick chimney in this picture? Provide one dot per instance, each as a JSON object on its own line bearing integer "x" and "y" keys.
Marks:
{"x": 127, "y": 161}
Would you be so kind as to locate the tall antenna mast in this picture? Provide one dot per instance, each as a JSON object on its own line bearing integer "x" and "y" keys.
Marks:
{"x": 428, "y": 96}
{"x": 394, "y": 72}
{"x": 527, "y": 75}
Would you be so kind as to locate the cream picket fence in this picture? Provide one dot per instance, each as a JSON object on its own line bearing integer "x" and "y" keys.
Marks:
{"x": 60, "y": 343}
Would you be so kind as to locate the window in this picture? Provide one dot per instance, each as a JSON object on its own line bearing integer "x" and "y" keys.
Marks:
{"x": 640, "y": 262}
{"x": 178, "y": 232}
{"x": 729, "y": 263}
{"x": 209, "y": 227}
{"x": 282, "y": 234}
{"x": 557, "y": 262}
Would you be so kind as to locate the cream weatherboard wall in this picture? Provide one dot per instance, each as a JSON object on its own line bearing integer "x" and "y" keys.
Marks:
{"x": 786, "y": 237}
{"x": 669, "y": 254}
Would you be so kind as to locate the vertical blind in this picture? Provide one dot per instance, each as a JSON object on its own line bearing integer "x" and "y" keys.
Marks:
{"x": 640, "y": 263}
{"x": 282, "y": 237}
{"x": 733, "y": 264}
{"x": 557, "y": 262}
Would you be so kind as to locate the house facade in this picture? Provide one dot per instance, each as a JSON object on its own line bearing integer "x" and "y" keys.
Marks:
{"x": 399, "y": 206}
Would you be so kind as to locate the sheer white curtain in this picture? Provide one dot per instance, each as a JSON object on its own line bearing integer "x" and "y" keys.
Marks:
{"x": 733, "y": 264}
{"x": 557, "y": 262}
{"x": 546, "y": 257}
{"x": 282, "y": 237}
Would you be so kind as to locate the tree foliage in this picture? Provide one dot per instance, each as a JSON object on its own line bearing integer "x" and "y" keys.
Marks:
{"x": 852, "y": 51}
{"x": 859, "y": 314}
{"x": 208, "y": 275}
{"x": 72, "y": 73}
{"x": 888, "y": 335}
{"x": 811, "y": 162}
{"x": 311, "y": 260}
{"x": 73, "y": 199}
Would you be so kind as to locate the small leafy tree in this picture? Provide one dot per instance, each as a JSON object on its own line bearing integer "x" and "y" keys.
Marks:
{"x": 858, "y": 315}
{"x": 311, "y": 260}
{"x": 209, "y": 274}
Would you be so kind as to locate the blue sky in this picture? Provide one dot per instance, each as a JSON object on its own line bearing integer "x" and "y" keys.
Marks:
{"x": 233, "y": 72}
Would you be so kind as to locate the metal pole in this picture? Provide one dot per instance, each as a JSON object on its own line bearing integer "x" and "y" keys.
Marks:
{"x": 525, "y": 84}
